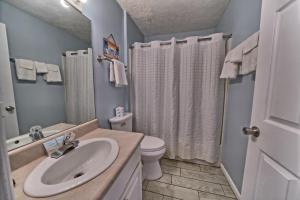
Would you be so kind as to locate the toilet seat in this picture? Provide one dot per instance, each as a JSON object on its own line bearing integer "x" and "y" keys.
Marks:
{"x": 152, "y": 144}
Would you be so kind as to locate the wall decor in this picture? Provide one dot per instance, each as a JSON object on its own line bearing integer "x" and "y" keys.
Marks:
{"x": 110, "y": 48}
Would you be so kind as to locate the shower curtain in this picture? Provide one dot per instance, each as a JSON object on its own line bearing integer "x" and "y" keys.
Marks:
{"x": 79, "y": 86}
{"x": 176, "y": 95}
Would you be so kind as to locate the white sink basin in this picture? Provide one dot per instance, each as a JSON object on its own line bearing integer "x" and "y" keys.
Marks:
{"x": 88, "y": 160}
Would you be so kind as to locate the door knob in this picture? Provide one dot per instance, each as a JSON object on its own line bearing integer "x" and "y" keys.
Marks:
{"x": 254, "y": 131}
{"x": 9, "y": 108}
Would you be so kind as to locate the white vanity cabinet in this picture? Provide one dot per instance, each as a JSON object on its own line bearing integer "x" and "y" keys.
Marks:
{"x": 128, "y": 185}
{"x": 134, "y": 187}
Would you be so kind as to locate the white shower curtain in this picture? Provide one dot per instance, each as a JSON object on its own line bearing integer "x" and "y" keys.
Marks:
{"x": 79, "y": 86}
{"x": 176, "y": 95}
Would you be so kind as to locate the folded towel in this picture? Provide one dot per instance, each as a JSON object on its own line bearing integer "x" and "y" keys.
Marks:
{"x": 250, "y": 51}
{"x": 251, "y": 43}
{"x": 120, "y": 75}
{"x": 111, "y": 72}
{"x": 249, "y": 62}
{"x": 236, "y": 55}
{"x": 53, "y": 74}
{"x": 230, "y": 70}
{"x": 41, "y": 68}
{"x": 25, "y": 70}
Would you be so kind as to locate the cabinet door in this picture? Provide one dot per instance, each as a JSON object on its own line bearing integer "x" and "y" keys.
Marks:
{"x": 134, "y": 189}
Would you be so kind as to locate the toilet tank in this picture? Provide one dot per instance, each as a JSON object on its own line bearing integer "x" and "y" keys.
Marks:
{"x": 122, "y": 123}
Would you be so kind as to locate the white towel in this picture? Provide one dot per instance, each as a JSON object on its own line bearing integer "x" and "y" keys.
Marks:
{"x": 251, "y": 43}
{"x": 41, "y": 68}
{"x": 120, "y": 75}
{"x": 230, "y": 70}
{"x": 249, "y": 62}
{"x": 25, "y": 70}
{"x": 53, "y": 74}
{"x": 236, "y": 54}
{"x": 250, "y": 51}
{"x": 111, "y": 72}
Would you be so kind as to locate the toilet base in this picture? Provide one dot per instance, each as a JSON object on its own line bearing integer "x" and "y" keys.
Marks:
{"x": 152, "y": 171}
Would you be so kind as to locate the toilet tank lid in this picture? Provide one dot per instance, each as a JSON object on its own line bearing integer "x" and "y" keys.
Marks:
{"x": 120, "y": 119}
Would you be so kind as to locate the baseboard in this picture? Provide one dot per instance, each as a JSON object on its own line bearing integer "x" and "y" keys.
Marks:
{"x": 231, "y": 183}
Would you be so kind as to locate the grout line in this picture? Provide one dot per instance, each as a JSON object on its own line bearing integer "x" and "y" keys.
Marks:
{"x": 189, "y": 189}
{"x": 202, "y": 180}
{"x": 179, "y": 171}
{"x": 205, "y": 181}
{"x": 199, "y": 170}
{"x": 223, "y": 190}
{"x": 220, "y": 195}
{"x": 210, "y": 174}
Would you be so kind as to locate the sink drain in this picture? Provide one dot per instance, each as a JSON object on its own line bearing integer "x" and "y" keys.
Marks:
{"x": 78, "y": 175}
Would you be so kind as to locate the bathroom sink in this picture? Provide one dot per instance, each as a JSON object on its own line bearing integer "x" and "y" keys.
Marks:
{"x": 88, "y": 160}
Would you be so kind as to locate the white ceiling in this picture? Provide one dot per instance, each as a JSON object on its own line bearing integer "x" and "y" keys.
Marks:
{"x": 53, "y": 13}
{"x": 172, "y": 16}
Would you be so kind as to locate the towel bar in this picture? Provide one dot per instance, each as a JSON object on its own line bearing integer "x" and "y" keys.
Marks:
{"x": 101, "y": 58}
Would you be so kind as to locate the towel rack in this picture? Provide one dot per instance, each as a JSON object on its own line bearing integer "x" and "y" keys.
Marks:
{"x": 102, "y": 58}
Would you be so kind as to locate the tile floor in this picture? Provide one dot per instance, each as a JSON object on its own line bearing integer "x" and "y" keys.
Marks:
{"x": 188, "y": 181}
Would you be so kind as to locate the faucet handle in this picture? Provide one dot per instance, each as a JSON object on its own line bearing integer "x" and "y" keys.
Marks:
{"x": 69, "y": 137}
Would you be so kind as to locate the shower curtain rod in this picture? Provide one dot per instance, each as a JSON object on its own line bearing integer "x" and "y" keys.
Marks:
{"x": 225, "y": 36}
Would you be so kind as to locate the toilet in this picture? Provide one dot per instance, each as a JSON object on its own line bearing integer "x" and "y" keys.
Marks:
{"x": 152, "y": 148}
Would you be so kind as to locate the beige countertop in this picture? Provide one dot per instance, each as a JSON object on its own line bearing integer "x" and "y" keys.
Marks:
{"x": 97, "y": 187}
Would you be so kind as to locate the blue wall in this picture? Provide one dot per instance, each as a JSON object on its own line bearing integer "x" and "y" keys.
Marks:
{"x": 242, "y": 19}
{"x": 179, "y": 35}
{"x": 37, "y": 103}
{"x": 107, "y": 18}
{"x": 133, "y": 32}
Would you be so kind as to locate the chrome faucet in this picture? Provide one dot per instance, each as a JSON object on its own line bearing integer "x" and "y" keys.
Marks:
{"x": 69, "y": 143}
{"x": 36, "y": 133}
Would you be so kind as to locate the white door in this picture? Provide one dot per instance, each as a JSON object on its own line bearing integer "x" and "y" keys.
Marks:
{"x": 273, "y": 158}
{"x": 6, "y": 88}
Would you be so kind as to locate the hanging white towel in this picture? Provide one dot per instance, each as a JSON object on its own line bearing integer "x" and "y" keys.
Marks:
{"x": 230, "y": 69}
{"x": 111, "y": 72}
{"x": 120, "y": 75}
{"x": 236, "y": 55}
{"x": 53, "y": 74}
{"x": 249, "y": 62}
{"x": 41, "y": 68}
{"x": 25, "y": 70}
{"x": 251, "y": 43}
{"x": 250, "y": 51}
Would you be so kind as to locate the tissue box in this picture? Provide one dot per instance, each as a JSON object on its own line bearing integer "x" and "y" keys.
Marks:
{"x": 119, "y": 111}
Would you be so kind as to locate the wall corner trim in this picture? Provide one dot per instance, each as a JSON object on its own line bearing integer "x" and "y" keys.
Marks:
{"x": 231, "y": 183}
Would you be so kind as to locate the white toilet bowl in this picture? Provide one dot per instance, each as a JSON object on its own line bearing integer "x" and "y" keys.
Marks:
{"x": 152, "y": 150}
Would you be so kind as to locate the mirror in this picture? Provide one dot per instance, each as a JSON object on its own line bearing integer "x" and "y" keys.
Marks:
{"x": 49, "y": 81}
